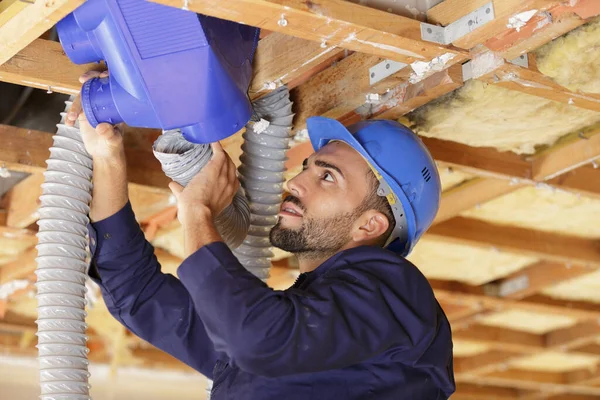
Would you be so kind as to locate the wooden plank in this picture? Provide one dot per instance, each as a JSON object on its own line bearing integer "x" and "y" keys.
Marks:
{"x": 485, "y": 362}
{"x": 539, "y": 30}
{"x": 535, "y": 278}
{"x": 582, "y": 181}
{"x": 410, "y": 96}
{"x": 466, "y": 391}
{"x": 545, "y": 245}
{"x": 482, "y": 161}
{"x": 332, "y": 22}
{"x": 27, "y": 150}
{"x": 515, "y": 374}
{"x": 578, "y": 150}
{"x": 43, "y": 64}
{"x": 574, "y": 336}
{"x": 31, "y": 22}
{"x": 536, "y": 304}
{"x": 470, "y": 194}
{"x": 532, "y": 82}
{"x": 451, "y": 10}
{"x": 516, "y": 382}
{"x": 573, "y": 305}
{"x": 23, "y": 266}
{"x": 281, "y": 59}
{"x": 340, "y": 89}
{"x": 502, "y": 339}
{"x": 23, "y": 201}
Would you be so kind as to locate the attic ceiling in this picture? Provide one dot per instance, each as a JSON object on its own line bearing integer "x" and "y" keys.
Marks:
{"x": 514, "y": 254}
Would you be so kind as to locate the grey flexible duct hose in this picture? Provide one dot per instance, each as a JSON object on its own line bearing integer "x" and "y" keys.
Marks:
{"x": 61, "y": 268}
{"x": 181, "y": 161}
{"x": 261, "y": 175}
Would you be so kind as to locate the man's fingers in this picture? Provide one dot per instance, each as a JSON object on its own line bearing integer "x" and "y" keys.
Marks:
{"x": 217, "y": 148}
{"x": 176, "y": 189}
{"x": 92, "y": 74}
{"x": 74, "y": 112}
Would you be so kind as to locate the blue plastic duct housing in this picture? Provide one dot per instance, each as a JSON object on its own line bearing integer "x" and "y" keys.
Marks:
{"x": 169, "y": 68}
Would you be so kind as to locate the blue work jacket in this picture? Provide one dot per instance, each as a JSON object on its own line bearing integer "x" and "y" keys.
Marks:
{"x": 363, "y": 325}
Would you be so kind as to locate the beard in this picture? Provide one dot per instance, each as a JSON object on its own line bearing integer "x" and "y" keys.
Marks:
{"x": 316, "y": 237}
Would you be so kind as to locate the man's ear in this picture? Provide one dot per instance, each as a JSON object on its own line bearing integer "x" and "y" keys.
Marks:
{"x": 369, "y": 227}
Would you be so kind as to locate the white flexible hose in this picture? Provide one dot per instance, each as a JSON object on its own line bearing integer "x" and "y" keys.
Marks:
{"x": 181, "y": 161}
{"x": 261, "y": 175}
{"x": 61, "y": 270}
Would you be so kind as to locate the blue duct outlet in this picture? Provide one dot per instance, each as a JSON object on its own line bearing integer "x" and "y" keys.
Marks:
{"x": 169, "y": 68}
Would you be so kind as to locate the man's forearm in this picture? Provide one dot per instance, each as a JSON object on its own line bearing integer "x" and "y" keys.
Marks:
{"x": 199, "y": 230}
{"x": 110, "y": 187}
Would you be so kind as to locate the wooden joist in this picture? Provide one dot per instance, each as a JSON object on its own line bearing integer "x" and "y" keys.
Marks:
{"x": 27, "y": 150}
{"x": 532, "y": 82}
{"x": 22, "y": 201}
{"x": 451, "y": 10}
{"x": 25, "y": 24}
{"x": 335, "y": 23}
{"x": 535, "y": 278}
{"x": 544, "y": 245}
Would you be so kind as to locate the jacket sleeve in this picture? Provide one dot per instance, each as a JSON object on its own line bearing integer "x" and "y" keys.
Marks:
{"x": 347, "y": 317}
{"x": 153, "y": 305}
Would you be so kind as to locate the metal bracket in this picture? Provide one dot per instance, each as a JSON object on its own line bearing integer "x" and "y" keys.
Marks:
{"x": 459, "y": 28}
{"x": 521, "y": 61}
{"x": 384, "y": 69}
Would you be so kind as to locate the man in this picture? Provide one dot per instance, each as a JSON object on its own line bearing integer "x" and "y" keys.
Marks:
{"x": 361, "y": 322}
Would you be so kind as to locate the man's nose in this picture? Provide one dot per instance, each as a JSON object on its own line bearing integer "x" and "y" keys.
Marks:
{"x": 295, "y": 186}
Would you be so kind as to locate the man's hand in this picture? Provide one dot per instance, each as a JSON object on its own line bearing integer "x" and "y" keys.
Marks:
{"x": 209, "y": 192}
{"x": 105, "y": 143}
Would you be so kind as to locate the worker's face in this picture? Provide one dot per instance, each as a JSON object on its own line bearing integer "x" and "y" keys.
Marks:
{"x": 319, "y": 216}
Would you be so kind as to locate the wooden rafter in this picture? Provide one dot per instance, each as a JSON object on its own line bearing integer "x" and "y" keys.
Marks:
{"x": 336, "y": 23}
{"x": 27, "y": 23}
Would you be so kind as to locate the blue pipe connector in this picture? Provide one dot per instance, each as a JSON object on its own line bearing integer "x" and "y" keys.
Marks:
{"x": 169, "y": 68}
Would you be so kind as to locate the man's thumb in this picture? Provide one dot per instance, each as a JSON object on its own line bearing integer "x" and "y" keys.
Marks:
{"x": 176, "y": 189}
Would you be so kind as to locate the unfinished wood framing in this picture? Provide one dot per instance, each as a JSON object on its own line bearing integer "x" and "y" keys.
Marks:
{"x": 323, "y": 52}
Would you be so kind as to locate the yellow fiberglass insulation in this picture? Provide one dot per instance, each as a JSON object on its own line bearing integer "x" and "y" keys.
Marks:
{"x": 583, "y": 288}
{"x": 528, "y": 321}
{"x": 555, "y": 361}
{"x": 483, "y": 115}
{"x": 438, "y": 259}
{"x": 573, "y": 60}
{"x": 544, "y": 209}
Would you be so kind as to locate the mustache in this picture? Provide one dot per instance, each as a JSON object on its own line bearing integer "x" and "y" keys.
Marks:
{"x": 295, "y": 201}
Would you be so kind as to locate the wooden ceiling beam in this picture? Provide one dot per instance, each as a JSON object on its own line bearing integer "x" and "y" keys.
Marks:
{"x": 22, "y": 201}
{"x": 27, "y": 150}
{"x": 466, "y": 391}
{"x": 516, "y": 381}
{"x": 544, "y": 245}
{"x": 25, "y": 24}
{"x": 451, "y": 10}
{"x": 336, "y": 23}
{"x": 535, "y": 278}
{"x": 539, "y": 30}
{"x": 532, "y": 82}
{"x": 286, "y": 60}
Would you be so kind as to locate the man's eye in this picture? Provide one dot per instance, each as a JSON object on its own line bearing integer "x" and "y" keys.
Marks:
{"x": 328, "y": 177}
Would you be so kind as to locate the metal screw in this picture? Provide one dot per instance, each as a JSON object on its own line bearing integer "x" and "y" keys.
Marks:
{"x": 594, "y": 164}
{"x": 429, "y": 30}
{"x": 282, "y": 21}
{"x": 372, "y": 74}
{"x": 323, "y": 44}
{"x": 488, "y": 10}
{"x": 185, "y": 5}
{"x": 470, "y": 22}
{"x": 49, "y": 89}
{"x": 582, "y": 136}
{"x": 387, "y": 66}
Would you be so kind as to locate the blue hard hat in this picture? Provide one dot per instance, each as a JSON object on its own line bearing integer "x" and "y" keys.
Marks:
{"x": 406, "y": 171}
